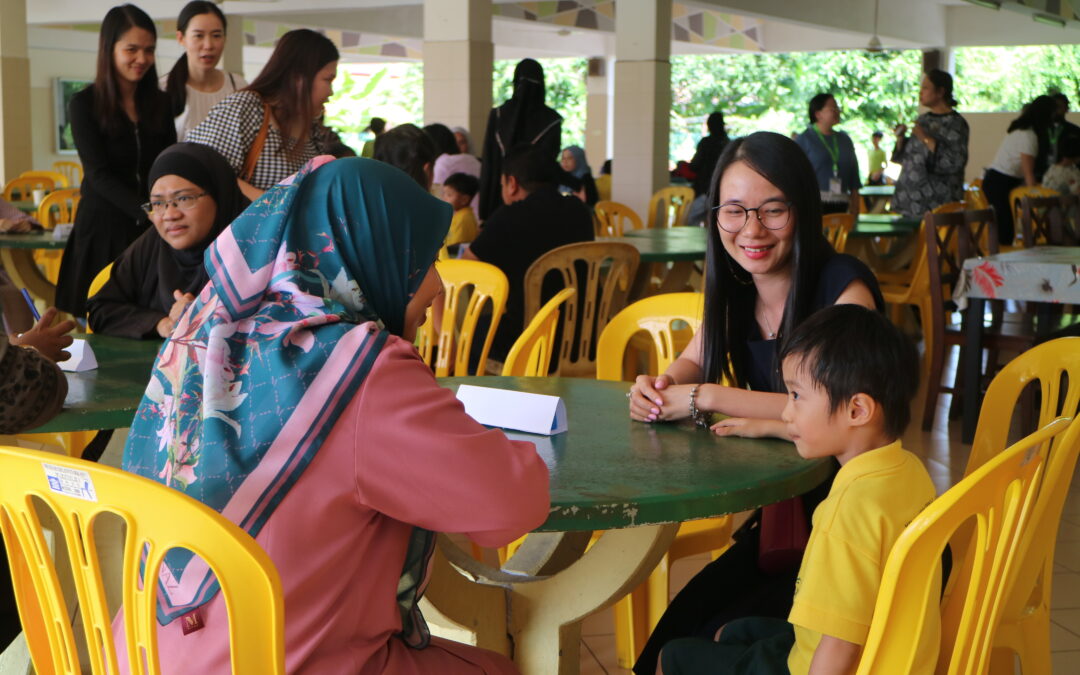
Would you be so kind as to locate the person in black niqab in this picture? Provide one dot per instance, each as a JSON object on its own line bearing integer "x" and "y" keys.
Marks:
{"x": 141, "y": 286}
{"x": 522, "y": 119}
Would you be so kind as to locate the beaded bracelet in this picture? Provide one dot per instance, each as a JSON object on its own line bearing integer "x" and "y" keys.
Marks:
{"x": 695, "y": 414}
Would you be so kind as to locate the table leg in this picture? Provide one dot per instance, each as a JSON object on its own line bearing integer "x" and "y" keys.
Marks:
{"x": 972, "y": 364}
{"x": 24, "y": 273}
{"x": 544, "y": 614}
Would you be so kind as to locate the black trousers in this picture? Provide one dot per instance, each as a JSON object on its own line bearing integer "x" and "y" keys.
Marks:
{"x": 997, "y": 186}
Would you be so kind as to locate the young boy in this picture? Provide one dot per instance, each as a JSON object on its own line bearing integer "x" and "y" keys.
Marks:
{"x": 850, "y": 377}
{"x": 458, "y": 191}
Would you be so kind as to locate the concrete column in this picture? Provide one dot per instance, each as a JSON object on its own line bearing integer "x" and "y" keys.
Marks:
{"x": 596, "y": 113}
{"x": 458, "y": 60}
{"x": 16, "y": 150}
{"x": 232, "y": 59}
{"x": 642, "y": 102}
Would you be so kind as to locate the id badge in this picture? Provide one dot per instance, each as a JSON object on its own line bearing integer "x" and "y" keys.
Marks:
{"x": 834, "y": 185}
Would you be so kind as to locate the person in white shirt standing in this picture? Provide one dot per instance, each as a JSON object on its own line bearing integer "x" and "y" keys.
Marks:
{"x": 1014, "y": 164}
{"x": 195, "y": 84}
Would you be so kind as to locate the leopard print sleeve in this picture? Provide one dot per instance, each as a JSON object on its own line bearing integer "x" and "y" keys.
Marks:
{"x": 32, "y": 388}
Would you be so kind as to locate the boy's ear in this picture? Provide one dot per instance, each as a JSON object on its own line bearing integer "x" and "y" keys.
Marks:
{"x": 861, "y": 409}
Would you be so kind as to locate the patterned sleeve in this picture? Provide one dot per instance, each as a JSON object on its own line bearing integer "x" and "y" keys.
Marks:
{"x": 951, "y": 155}
{"x": 231, "y": 127}
{"x": 32, "y": 388}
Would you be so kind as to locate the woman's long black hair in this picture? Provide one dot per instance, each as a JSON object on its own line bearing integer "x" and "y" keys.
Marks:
{"x": 176, "y": 83}
{"x": 730, "y": 294}
{"x": 107, "y": 105}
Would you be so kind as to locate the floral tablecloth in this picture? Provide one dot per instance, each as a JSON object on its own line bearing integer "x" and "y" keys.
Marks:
{"x": 1040, "y": 274}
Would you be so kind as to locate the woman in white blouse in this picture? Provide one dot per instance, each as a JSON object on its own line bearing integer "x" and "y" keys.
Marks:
{"x": 195, "y": 84}
{"x": 1014, "y": 164}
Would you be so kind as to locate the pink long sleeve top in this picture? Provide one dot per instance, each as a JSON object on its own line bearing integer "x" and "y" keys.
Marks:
{"x": 403, "y": 454}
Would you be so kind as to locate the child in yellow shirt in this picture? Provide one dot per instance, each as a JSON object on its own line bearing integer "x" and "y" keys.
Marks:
{"x": 850, "y": 377}
{"x": 458, "y": 191}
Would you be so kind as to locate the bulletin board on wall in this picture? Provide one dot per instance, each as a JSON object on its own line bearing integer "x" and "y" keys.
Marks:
{"x": 63, "y": 90}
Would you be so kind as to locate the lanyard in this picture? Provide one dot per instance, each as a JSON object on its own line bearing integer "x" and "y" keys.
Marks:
{"x": 1055, "y": 133}
{"x": 834, "y": 150}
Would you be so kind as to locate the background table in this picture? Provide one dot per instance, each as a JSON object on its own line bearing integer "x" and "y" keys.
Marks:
{"x": 17, "y": 256}
{"x": 638, "y": 481}
{"x": 680, "y": 246}
{"x": 1044, "y": 274}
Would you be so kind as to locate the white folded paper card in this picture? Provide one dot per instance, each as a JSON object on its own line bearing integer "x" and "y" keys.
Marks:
{"x": 62, "y": 231}
{"x": 82, "y": 357}
{"x": 533, "y": 413}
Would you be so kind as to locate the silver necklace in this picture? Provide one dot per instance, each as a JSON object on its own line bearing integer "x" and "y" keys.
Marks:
{"x": 765, "y": 318}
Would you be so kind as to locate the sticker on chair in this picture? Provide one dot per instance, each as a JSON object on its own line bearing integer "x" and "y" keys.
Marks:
{"x": 71, "y": 482}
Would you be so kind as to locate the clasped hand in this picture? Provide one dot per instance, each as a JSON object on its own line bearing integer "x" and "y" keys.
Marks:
{"x": 167, "y": 323}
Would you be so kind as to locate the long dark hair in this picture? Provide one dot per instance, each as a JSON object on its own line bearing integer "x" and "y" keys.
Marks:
{"x": 1037, "y": 115}
{"x": 176, "y": 83}
{"x": 285, "y": 82}
{"x": 107, "y": 105}
{"x": 409, "y": 149}
{"x": 730, "y": 293}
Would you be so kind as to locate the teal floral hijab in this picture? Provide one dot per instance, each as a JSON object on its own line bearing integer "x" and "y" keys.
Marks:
{"x": 305, "y": 286}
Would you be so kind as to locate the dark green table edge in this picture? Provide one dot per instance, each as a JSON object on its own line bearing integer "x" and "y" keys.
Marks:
{"x": 33, "y": 240}
{"x": 621, "y": 513}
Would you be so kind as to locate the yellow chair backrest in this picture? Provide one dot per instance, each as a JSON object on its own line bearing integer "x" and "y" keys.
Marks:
{"x": 602, "y": 272}
{"x": 654, "y": 314}
{"x": 612, "y": 218}
{"x": 99, "y": 280}
{"x": 836, "y": 227}
{"x": 669, "y": 205}
{"x": 59, "y": 206}
{"x": 58, "y": 179}
{"x": 532, "y": 351}
{"x": 603, "y": 187}
{"x": 21, "y": 188}
{"x": 975, "y": 198}
{"x": 157, "y": 519}
{"x": 996, "y": 500}
{"x": 71, "y": 170}
{"x": 477, "y": 284}
{"x": 1016, "y": 196}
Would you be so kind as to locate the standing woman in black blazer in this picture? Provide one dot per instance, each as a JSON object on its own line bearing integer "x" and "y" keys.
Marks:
{"x": 120, "y": 123}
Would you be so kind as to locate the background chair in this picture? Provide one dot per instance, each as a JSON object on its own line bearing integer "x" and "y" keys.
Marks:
{"x": 1016, "y": 197}
{"x": 59, "y": 206}
{"x": 1050, "y": 220}
{"x": 79, "y": 496}
{"x": 530, "y": 356}
{"x": 59, "y": 180}
{"x": 470, "y": 287}
{"x": 996, "y": 502}
{"x": 602, "y": 273}
{"x": 612, "y": 218}
{"x": 22, "y": 189}
{"x": 1053, "y": 370}
{"x": 669, "y": 319}
{"x": 73, "y": 171}
{"x": 668, "y": 206}
{"x": 837, "y": 227}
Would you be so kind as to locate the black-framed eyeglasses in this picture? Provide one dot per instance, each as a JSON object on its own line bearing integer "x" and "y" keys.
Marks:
{"x": 774, "y": 214}
{"x": 182, "y": 202}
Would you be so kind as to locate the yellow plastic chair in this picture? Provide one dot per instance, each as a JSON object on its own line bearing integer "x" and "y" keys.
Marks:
{"x": 603, "y": 187}
{"x": 996, "y": 502}
{"x": 59, "y": 180}
{"x": 612, "y": 218}
{"x": 96, "y": 284}
{"x": 1024, "y": 628}
{"x": 975, "y": 198}
{"x": 21, "y": 189}
{"x": 637, "y": 614}
{"x": 836, "y": 227}
{"x": 669, "y": 205}
{"x": 73, "y": 171}
{"x": 479, "y": 285}
{"x": 59, "y": 206}
{"x": 1016, "y": 197}
{"x": 157, "y": 519}
{"x": 532, "y": 351}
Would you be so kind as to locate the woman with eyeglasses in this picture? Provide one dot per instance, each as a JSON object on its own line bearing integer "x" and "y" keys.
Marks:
{"x": 120, "y": 123}
{"x": 193, "y": 198}
{"x": 770, "y": 268}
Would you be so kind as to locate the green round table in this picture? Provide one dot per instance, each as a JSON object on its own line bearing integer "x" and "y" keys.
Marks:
{"x": 682, "y": 247}
{"x": 606, "y": 472}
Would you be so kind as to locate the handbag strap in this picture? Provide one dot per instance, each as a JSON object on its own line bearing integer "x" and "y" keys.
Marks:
{"x": 256, "y": 147}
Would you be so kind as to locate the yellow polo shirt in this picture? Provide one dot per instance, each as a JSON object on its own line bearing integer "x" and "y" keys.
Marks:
{"x": 873, "y": 498}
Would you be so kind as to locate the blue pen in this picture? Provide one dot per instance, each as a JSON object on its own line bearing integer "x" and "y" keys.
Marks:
{"x": 30, "y": 302}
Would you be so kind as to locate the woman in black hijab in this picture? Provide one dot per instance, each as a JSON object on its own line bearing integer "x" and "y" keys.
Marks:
{"x": 522, "y": 119}
{"x": 193, "y": 198}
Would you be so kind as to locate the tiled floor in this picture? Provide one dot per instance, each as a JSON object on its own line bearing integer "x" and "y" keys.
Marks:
{"x": 945, "y": 459}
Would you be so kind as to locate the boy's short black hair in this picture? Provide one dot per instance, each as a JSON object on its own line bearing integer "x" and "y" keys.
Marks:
{"x": 877, "y": 134}
{"x": 463, "y": 183}
{"x": 530, "y": 167}
{"x": 848, "y": 350}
